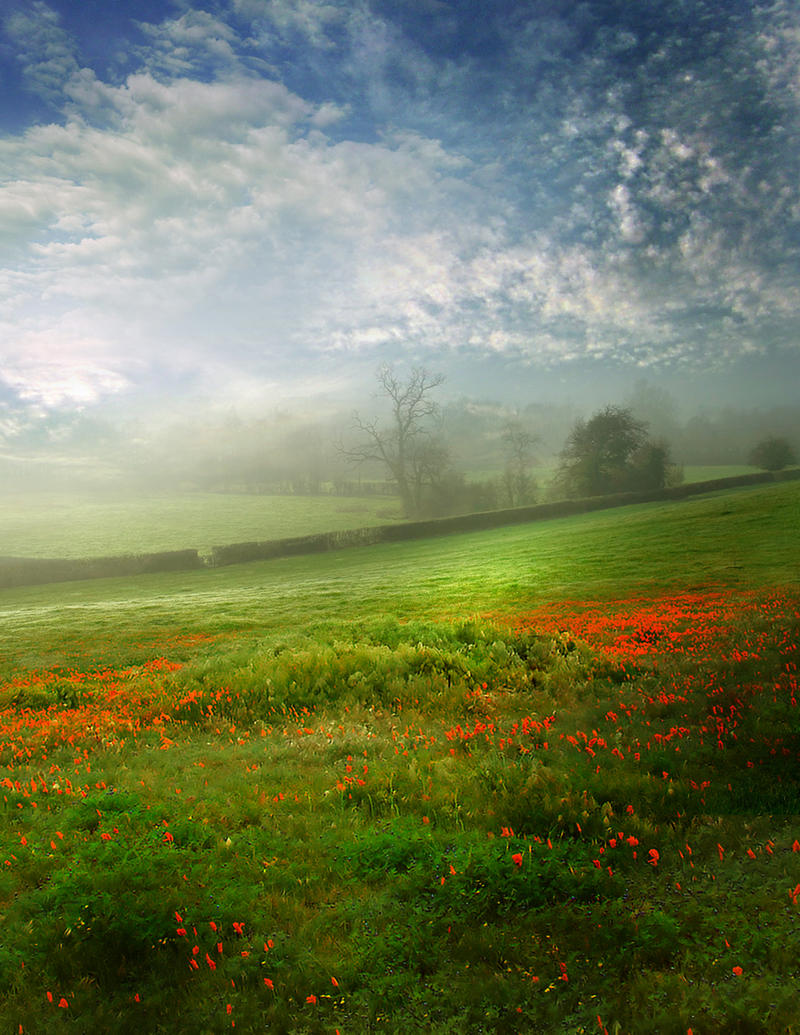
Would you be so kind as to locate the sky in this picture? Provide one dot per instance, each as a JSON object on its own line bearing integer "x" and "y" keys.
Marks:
{"x": 241, "y": 203}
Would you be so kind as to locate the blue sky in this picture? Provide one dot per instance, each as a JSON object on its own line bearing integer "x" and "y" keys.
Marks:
{"x": 258, "y": 201}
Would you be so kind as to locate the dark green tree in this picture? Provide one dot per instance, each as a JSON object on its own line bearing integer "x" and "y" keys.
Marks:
{"x": 773, "y": 454}
{"x": 609, "y": 453}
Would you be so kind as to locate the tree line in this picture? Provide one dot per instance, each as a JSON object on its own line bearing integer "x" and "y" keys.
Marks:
{"x": 429, "y": 457}
{"x": 610, "y": 452}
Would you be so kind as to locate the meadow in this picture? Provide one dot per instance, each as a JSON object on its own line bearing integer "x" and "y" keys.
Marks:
{"x": 542, "y": 778}
{"x": 102, "y": 525}
{"x": 73, "y": 525}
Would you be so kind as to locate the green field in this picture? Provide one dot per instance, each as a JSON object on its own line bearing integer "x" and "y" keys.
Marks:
{"x": 543, "y": 778}
{"x": 43, "y": 525}
{"x": 73, "y": 526}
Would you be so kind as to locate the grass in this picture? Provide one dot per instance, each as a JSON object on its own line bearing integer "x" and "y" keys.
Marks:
{"x": 537, "y": 779}
{"x": 72, "y": 526}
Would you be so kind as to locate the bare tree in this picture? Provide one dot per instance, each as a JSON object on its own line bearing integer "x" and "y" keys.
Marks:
{"x": 518, "y": 443}
{"x": 406, "y": 445}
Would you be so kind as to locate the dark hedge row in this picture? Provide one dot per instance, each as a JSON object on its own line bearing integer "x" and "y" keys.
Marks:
{"x": 32, "y": 571}
{"x": 27, "y": 571}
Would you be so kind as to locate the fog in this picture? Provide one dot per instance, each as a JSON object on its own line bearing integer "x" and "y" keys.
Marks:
{"x": 302, "y": 451}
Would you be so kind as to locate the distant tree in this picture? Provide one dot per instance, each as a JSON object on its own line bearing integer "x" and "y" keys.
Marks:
{"x": 407, "y": 445}
{"x": 518, "y": 482}
{"x": 773, "y": 454}
{"x": 611, "y": 453}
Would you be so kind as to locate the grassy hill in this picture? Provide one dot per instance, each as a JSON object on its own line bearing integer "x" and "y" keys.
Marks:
{"x": 62, "y": 525}
{"x": 72, "y": 526}
{"x": 542, "y": 778}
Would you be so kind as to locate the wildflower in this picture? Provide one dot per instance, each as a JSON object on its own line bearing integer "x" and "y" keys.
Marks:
{"x": 654, "y": 857}
{"x": 268, "y": 983}
{"x": 63, "y": 1003}
{"x": 737, "y": 971}
{"x": 516, "y": 858}
{"x": 334, "y": 982}
{"x": 311, "y": 999}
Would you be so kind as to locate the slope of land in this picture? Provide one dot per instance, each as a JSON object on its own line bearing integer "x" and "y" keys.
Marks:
{"x": 542, "y": 778}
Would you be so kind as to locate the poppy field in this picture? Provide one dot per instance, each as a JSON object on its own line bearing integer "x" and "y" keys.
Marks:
{"x": 573, "y": 814}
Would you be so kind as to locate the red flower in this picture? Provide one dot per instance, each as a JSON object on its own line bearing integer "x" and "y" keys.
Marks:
{"x": 516, "y": 858}
{"x": 737, "y": 971}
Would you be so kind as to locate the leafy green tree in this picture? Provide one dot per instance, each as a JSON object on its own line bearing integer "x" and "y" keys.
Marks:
{"x": 773, "y": 454}
{"x": 609, "y": 453}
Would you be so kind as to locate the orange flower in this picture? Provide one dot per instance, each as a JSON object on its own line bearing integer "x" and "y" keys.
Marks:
{"x": 268, "y": 983}
{"x": 516, "y": 858}
{"x": 737, "y": 971}
{"x": 311, "y": 999}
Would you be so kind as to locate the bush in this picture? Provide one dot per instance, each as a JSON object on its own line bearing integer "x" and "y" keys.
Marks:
{"x": 773, "y": 454}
